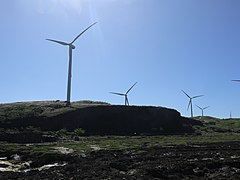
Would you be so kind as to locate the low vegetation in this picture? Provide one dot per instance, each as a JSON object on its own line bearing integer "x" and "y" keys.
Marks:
{"x": 213, "y": 130}
{"x": 224, "y": 125}
{"x": 41, "y": 108}
{"x": 88, "y": 144}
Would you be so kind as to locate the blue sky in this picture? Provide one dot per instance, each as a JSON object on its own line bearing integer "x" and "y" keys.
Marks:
{"x": 164, "y": 45}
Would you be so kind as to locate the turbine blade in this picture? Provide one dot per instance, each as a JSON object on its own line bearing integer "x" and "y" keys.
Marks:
{"x": 186, "y": 93}
{"x": 199, "y": 107}
{"x": 236, "y": 80}
{"x": 59, "y": 42}
{"x": 120, "y": 94}
{"x": 197, "y": 96}
{"x": 131, "y": 87}
{"x": 206, "y": 107}
{"x": 82, "y": 32}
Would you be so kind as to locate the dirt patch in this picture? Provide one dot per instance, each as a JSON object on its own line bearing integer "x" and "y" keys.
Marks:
{"x": 201, "y": 161}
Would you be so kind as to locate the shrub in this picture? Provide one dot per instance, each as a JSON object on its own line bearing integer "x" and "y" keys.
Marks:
{"x": 31, "y": 129}
{"x": 62, "y": 132}
{"x": 79, "y": 132}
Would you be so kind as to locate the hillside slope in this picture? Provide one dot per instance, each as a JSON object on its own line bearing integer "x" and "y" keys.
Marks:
{"x": 96, "y": 118}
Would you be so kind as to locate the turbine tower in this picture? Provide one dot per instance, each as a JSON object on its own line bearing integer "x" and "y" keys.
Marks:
{"x": 202, "y": 108}
{"x": 125, "y": 95}
{"x": 71, "y": 47}
{"x": 190, "y": 101}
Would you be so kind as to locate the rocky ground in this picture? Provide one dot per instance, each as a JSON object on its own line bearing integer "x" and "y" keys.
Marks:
{"x": 201, "y": 161}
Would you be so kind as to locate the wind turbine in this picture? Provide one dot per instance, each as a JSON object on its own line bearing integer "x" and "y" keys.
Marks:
{"x": 202, "y": 108}
{"x": 236, "y": 80}
{"x": 190, "y": 101}
{"x": 71, "y": 47}
{"x": 125, "y": 95}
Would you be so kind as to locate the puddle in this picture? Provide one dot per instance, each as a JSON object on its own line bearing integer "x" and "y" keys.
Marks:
{"x": 44, "y": 167}
{"x": 19, "y": 166}
{"x": 192, "y": 160}
{"x": 6, "y": 165}
{"x": 3, "y": 158}
{"x": 206, "y": 159}
{"x": 235, "y": 157}
{"x": 195, "y": 146}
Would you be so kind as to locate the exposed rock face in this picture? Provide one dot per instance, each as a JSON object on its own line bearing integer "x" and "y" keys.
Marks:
{"x": 112, "y": 120}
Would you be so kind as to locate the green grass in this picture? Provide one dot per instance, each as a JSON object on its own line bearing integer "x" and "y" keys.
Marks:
{"x": 85, "y": 144}
{"x": 116, "y": 143}
{"x": 229, "y": 124}
{"x": 126, "y": 142}
{"x": 226, "y": 124}
{"x": 207, "y": 133}
{"x": 41, "y": 108}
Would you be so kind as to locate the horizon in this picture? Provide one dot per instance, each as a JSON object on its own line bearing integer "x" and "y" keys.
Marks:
{"x": 165, "y": 46}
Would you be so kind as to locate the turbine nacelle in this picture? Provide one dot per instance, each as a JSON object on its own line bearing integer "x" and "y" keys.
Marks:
{"x": 63, "y": 43}
{"x": 72, "y": 46}
{"x": 125, "y": 95}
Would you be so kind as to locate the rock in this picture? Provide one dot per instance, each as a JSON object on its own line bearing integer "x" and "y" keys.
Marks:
{"x": 76, "y": 138}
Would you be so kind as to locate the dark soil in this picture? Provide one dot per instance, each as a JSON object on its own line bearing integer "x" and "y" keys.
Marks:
{"x": 202, "y": 161}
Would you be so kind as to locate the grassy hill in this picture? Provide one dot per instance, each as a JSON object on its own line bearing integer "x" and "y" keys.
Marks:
{"x": 16, "y": 110}
{"x": 231, "y": 124}
{"x": 95, "y": 118}
{"x": 212, "y": 130}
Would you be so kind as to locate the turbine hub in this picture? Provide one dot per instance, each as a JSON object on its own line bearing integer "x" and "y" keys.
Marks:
{"x": 72, "y": 46}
